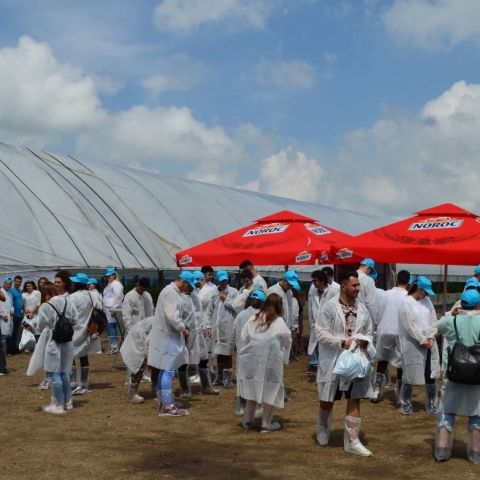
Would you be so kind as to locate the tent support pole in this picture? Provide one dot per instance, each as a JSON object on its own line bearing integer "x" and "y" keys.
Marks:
{"x": 445, "y": 288}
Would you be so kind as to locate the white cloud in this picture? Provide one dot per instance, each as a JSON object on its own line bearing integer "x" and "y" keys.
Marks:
{"x": 291, "y": 174}
{"x": 433, "y": 24}
{"x": 294, "y": 74}
{"x": 187, "y": 15}
{"x": 174, "y": 73}
{"x": 41, "y": 98}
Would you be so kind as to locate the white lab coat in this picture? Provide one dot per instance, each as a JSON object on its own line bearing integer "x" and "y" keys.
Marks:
{"x": 222, "y": 315}
{"x": 30, "y": 301}
{"x": 316, "y": 301}
{"x": 368, "y": 296}
{"x": 261, "y": 360}
{"x": 136, "y": 307}
{"x": 388, "y": 342}
{"x": 191, "y": 316}
{"x": 330, "y": 331}
{"x": 48, "y": 354}
{"x": 113, "y": 295}
{"x": 6, "y": 310}
{"x": 416, "y": 324}
{"x": 335, "y": 286}
{"x": 259, "y": 283}
{"x": 84, "y": 303}
{"x": 203, "y": 298}
{"x": 167, "y": 349}
{"x": 287, "y": 298}
{"x": 135, "y": 347}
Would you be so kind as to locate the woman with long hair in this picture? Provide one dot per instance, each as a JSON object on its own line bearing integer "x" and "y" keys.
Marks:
{"x": 260, "y": 371}
{"x": 54, "y": 357}
{"x": 31, "y": 303}
{"x": 42, "y": 281}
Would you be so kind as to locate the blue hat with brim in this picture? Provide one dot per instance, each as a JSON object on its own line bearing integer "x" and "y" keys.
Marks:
{"x": 198, "y": 275}
{"x": 292, "y": 278}
{"x": 426, "y": 285}
{"x": 8, "y": 279}
{"x": 477, "y": 270}
{"x": 92, "y": 281}
{"x": 221, "y": 276}
{"x": 470, "y": 298}
{"x": 472, "y": 282}
{"x": 110, "y": 271}
{"x": 258, "y": 295}
{"x": 80, "y": 278}
{"x": 189, "y": 278}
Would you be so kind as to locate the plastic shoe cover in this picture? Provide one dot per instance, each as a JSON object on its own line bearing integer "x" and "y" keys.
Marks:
{"x": 68, "y": 405}
{"x": 258, "y": 413}
{"x": 443, "y": 443}
{"x": 273, "y": 427}
{"x": 173, "y": 411}
{"x": 431, "y": 404}
{"x": 406, "y": 399}
{"x": 184, "y": 384}
{"x": 55, "y": 409}
{"x": 380, "y": 382}
{"x": 473, "y": 444}
{"x": 206, "y": 382}
{"x": 351, "y": 440}
{"x": 84, "y": 378}
{"x": 227, "y": 378}
{"x": 325, "y": 418}
{"x": 132, "y": 395}
{"x": 239, "y": 407}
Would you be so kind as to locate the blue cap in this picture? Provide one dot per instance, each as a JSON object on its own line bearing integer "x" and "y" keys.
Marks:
{"x": 470, "y": 298}
{"x": 477, "y": 270}
{"x": 221, "y": 275}
{"x": 110, "y": 271}
{"x": 292, "y": 278}
{"x": 374, "y": 275}
{"x": 188, "y": 277}
{"x": 369, "y": 263}
{"x": 92, "y": 281}
{"x": 258, "y": 295}
{"x": 81, "y": 278}
{"x": 412, "y": 279}
{"x": 8, "y": 279}
{"x": 472, "y": 282}
{"x": 426, "y": 285}
{"x": 198, "y": 275}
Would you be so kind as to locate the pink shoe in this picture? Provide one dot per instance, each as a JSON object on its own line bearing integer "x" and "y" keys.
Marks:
{"x": 173, "y": 411}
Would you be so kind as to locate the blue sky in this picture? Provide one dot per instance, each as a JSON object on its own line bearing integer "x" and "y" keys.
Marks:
{"x": 378, "y": 100}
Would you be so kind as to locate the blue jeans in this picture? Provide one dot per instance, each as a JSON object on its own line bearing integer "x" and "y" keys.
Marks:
{"x": 164, "y": 384}
{"x": 314, "y": 357}
{"x": 60, "y": 387}
{"x": 112, "y": 334}
{"x": 447, "y": 420}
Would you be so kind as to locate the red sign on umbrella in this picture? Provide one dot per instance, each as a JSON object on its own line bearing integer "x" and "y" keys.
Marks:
{"x": 284, "y": 238}
{"x": 442, "y": 235}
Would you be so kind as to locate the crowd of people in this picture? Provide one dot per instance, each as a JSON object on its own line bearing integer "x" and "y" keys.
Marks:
{"x": 201, "y": 321}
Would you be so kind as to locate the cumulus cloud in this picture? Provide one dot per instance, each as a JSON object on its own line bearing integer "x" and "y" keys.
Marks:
{"x": 42, "y": 99}
{"x": 290, "y": 173}
{"x": 294, "y": 74}
{"x": 184, "y": 16}
{"x": 433, "y": 24}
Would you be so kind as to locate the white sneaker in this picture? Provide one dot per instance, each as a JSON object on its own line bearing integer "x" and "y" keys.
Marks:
{"x": 136, "y": 399}
{"x": 79, "y": 390}
{"x": 323, "y": 436}
{"x": 52, "y": 408}
{"x": 68, "y": 405}
{"x": 195, "y": 379}
{"x": 239, "y": 412}
{"x": 145, "y": 379}
{"x": 357, "y": 448}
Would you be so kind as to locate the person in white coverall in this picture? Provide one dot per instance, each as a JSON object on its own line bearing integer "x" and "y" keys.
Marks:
{"x": 418, "y": 347}
{"x": 167, "y": 349}
{"x": 137, "y": 304}
{"x": 283, "y": 289}
{"x": 259, "y": 282}
{"x": 368, "y": 291}
{"x": 221, "y": 316}
{"x": 340, "y": 322}
{"x": 267, "y": 341}
{"x": 388, "y": 342}
{"x": 330, "y": 275}
{"x": 112, "y": 300}
{"x": 254, "y": 303}
{"x": 246, "y": 279}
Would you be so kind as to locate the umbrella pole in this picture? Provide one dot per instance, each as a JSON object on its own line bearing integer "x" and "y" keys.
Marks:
{"x": 445, "y": 288}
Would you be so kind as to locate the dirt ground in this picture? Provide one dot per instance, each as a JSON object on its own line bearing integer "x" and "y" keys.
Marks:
{"x": 106, "y": 438}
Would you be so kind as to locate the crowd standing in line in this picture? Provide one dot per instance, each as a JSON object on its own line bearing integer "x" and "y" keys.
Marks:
{"x": 198, "y": 324}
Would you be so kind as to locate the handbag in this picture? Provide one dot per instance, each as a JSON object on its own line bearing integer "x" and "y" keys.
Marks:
{"x": 464, "y": 362}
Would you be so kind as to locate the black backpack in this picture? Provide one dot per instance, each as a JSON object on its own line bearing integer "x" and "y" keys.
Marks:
{"x": 63, "y": 329}
{"x": 464, "y": 362}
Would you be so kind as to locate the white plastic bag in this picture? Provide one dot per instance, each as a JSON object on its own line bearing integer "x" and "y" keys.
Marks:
{"x": 352, "y": 364}
{"x": 27, "y": 342}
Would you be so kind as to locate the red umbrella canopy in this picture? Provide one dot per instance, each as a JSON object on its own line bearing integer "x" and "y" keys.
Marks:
{"x": 284, "y": 238}
{"x": 442, "y": 235}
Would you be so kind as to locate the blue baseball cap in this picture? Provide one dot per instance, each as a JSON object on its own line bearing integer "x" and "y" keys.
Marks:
{"x": 110, "y": 271}
{"x": 369, "y": 263}
{"x": 426, "y": 285}
{"x": 188, "y": 277}
{"x": 8, "y": 279}
{"x": 258, "y": 295}
{"x": 470, "y": 298}
{"x": 198, "y": 275}
{"x": 292, "y": 278}
{"x": 81, "y": 278}
{"x": 374, "y": 275}
{"x": 477, "y": 270}
{"x": 221, "y": 275}
{"x": 472, "y": 282}
{"x": 412, "y": 279}
{"x": 92, "y": 281}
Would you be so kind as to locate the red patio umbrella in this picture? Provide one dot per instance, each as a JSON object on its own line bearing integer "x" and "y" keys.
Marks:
{"x": 284, "y": 238}
{"x": 442, "y": 235}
